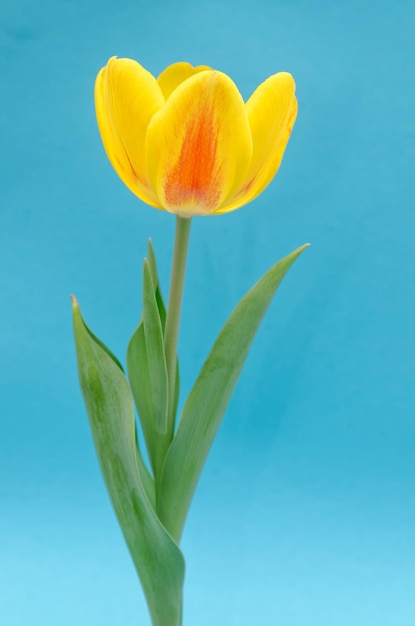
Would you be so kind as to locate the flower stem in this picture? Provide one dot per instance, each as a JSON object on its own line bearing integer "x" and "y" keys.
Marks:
{"x": 174, "y": 307}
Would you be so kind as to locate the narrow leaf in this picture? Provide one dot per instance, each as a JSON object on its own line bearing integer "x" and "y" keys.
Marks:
{"x": 154, "y": 276}
{"x": 147, "y": 372}
{"x": 162, "y": 312}
{"x": 157, "y": 558}
{"x": 139, "y": 377}
{"x": 156, "y": 358}
{"x": 143, "y": 373}
{"x": 209, "y": 397}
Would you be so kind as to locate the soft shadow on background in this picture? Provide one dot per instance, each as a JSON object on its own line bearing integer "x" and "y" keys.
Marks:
{"x": 305, "y": 514}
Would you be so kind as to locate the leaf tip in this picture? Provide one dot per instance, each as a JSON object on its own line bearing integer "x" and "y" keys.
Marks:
{"x": 74, "y": 301}
{"x": 301, "y": 249}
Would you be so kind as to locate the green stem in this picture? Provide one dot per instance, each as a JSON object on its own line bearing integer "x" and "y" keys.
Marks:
{"x": 174, "y": 307}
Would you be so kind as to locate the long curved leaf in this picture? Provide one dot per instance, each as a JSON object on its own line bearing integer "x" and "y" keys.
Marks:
{"x": 162, "y": 312}
{"x": 156, "y": 358}
{"x": 108, "y": 400}
{"x": 146, "y": 366}
{"x": 209, "y": 397}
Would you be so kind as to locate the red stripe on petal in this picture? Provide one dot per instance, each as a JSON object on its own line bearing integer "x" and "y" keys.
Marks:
{"x": 194, "y": 182}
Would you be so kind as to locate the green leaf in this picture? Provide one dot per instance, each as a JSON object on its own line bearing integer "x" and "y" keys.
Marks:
{"x": 156, "y": 358}
{"x": 154, "y": 276}
{"x": 209, "y": 397}
{"x": 138, "y": 374}
{"x": 104, "y": 347}
{"x": 162, "y": 312}
{"x": 146, "y": 366}
{"x": 108, "y": 400}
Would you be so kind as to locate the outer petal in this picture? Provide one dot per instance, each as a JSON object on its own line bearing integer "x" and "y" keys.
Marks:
{"x": 272, "y": 110}
{"x": 199, "y": 145}
{"x": 173, "y": 75}
{"x": 126, "y": 98}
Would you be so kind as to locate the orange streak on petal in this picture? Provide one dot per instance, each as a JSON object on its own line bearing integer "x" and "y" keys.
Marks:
{"x": 194, "y": 180}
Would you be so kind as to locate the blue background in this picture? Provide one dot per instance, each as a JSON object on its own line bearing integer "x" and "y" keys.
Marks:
{"x": 305, "y": 514}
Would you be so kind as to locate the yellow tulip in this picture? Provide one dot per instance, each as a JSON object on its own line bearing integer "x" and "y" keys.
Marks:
{"x": 186, "y": 142}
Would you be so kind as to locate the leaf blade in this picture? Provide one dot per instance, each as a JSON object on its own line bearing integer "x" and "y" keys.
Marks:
{"x": 158, "y": 560}
{"x": 157, "y": 290}
{"x": 143, "y": 370}
{"x": 156, "y": 358}
{"x": 138, "y": 375}
{"x": 162, "y": 312}
{"x": 209, "y": 397}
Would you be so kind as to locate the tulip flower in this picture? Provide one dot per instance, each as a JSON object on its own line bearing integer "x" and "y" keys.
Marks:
{"x": 186, "y": 142}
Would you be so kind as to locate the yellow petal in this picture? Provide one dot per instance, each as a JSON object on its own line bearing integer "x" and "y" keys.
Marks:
{"x": 173, "y": 75}
{"x": 126, "y": 98}
{"x": 272, "y": 110}
{"x": 199, "y": 145}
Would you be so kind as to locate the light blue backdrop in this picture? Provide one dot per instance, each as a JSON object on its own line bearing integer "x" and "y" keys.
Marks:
{"x": 305, "y": 515}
